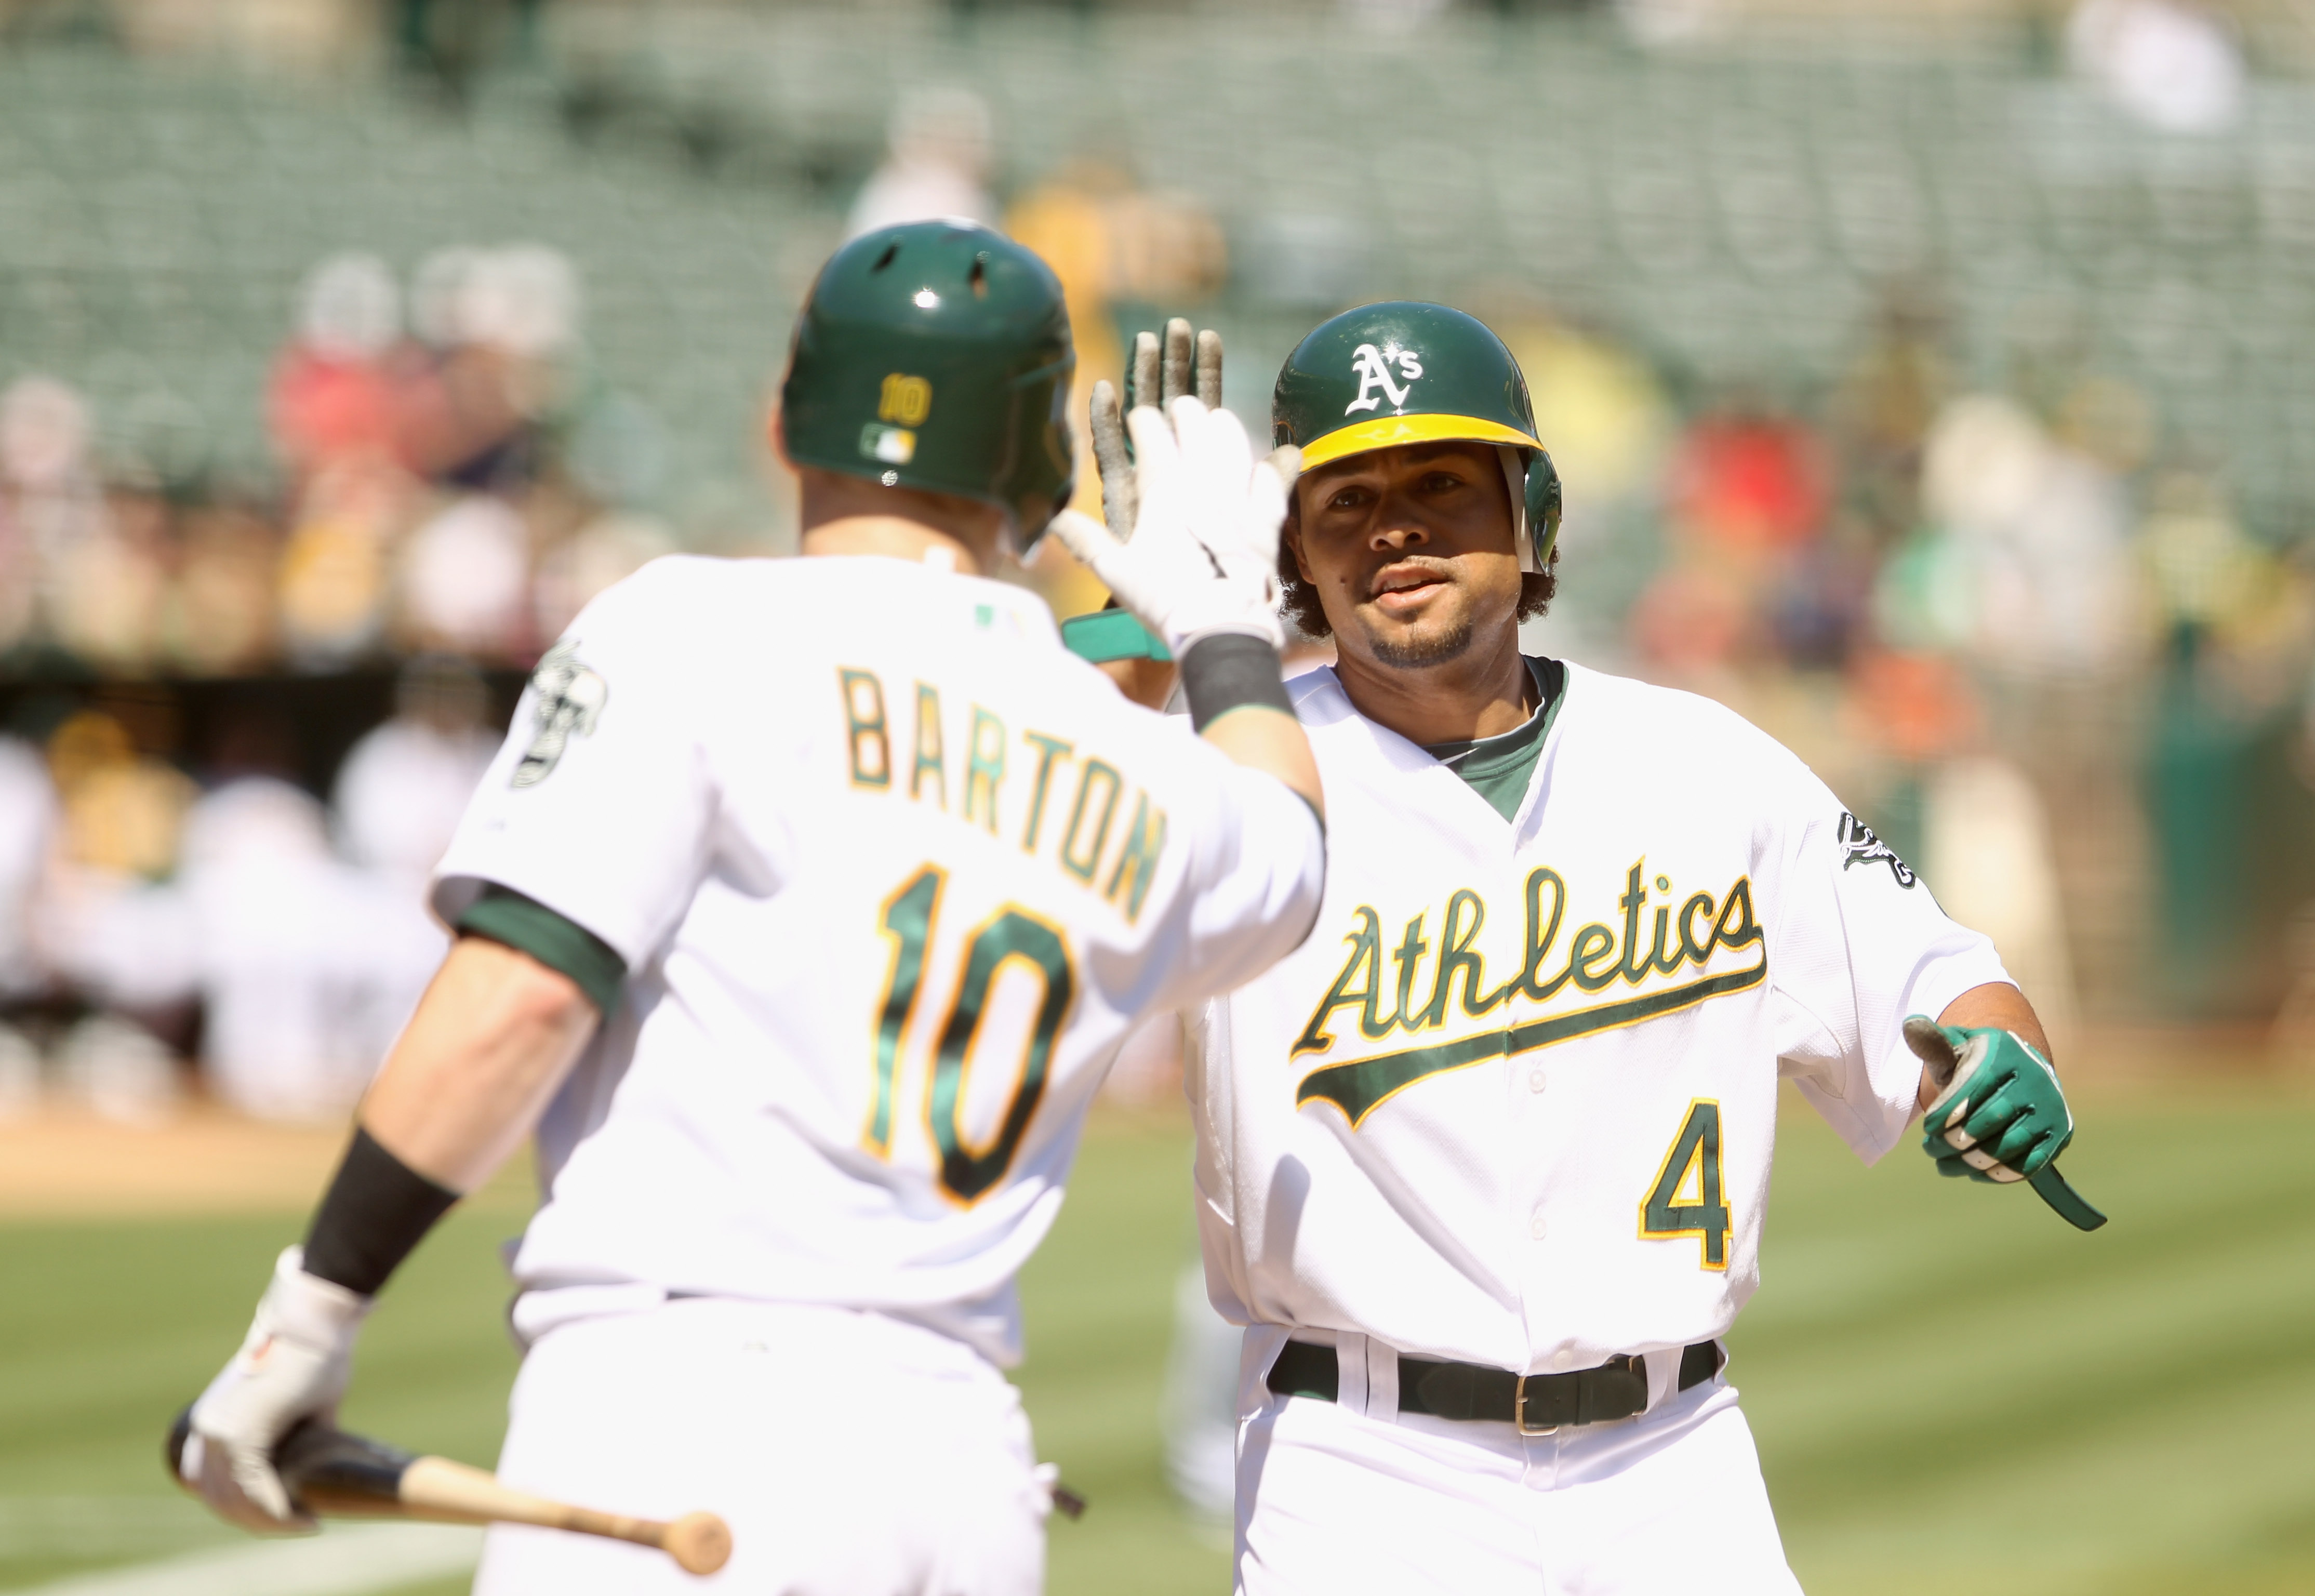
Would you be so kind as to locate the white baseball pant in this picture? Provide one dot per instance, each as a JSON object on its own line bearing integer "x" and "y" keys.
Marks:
{"x": 1671, "y": 1503}
{"x": 850, "y": 1452}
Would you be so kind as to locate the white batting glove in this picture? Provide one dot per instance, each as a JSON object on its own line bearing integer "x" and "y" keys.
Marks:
{"x": 294, "y": 1364}
{"x": 1203, "y": 559}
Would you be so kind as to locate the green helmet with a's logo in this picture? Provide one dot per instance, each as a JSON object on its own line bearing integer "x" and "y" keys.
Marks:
{"x": 937, "y": 355}
{"x": 1405, "y": 372}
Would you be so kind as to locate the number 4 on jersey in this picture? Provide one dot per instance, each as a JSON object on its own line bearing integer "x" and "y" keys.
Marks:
{"x": 1692, "y": 1167}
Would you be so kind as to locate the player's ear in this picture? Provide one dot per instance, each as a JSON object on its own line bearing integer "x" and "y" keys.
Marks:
{"x": 776, "y": 433}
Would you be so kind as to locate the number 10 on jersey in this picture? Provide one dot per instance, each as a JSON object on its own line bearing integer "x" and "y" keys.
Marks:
{"x": 967, "y": 1170}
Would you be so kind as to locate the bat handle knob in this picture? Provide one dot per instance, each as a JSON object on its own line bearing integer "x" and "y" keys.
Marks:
{"x": 174, "y": 1450}
{"x": 699, "y": 1542}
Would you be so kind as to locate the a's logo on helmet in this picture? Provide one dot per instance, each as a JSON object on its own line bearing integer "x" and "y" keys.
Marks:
{"x": 1372, "y": 366}
{"x": 907, "y": 400}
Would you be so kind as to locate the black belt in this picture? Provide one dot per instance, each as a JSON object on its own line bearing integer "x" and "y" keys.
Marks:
{"x": 1537, "y": 1404}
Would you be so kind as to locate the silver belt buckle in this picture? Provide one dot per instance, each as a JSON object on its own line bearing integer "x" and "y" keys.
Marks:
{"x": 1518, "y": 1411}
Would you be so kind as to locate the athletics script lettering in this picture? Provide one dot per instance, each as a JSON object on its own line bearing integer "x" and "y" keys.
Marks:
{"x": 1595, "y": 959}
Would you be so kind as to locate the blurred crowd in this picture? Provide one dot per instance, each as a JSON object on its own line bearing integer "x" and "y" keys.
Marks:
{"x": 2016, "y": 623}
{"x": 2022, "y": 629}
{"x": 160, "y": 902}
{"x": 145, "y": 917}
{"x": 426, "y": 498}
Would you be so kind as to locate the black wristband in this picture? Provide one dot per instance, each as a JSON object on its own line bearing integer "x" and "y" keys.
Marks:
{"x": 377, "y": 1210}
{"x": 1230, "y": 671}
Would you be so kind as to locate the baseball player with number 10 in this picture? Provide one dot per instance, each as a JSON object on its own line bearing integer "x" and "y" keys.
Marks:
{"x": 807, "y": 903}
{"x": 1483, "y": 1164}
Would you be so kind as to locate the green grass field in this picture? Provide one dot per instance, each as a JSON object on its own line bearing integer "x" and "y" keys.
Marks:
{"x": 1952, "y": 1389}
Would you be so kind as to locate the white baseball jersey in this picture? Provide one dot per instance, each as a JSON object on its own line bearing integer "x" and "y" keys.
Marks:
{"x": 891, "y": 875}
{"x": 1513, "y": 1101}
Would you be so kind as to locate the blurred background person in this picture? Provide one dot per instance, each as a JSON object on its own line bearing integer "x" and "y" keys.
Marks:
{"x": 940, "y": 147}
{"x": 284, "y": 950}
{"x": 1116, "y": 246}
{"x": 396, "y": 802}
{"x": 2175, "y": 64}
{"x": 336, "y": 414}
{"x": 107, "y": 922}
{"x": 332, "y": 395}
{"x": 483, "y": 428}
{"x": 28, "y": 820}
{"x": 54, "y": 534}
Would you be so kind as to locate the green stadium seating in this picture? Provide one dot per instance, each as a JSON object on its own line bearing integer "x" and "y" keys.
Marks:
{"x": 1737, "y": 210}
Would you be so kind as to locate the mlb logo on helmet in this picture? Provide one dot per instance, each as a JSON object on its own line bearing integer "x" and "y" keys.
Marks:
{"x": 907, "y": 400}
{"x": 895, "y": 445}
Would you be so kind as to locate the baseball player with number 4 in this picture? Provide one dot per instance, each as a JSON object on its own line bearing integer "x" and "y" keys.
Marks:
{"x": 1483, "y": 1164}
{"x": 801, "y": 914}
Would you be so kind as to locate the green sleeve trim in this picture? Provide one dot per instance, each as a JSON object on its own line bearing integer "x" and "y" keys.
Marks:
{"x": 562, "y": 945}
{"x": 1109, "y": 635}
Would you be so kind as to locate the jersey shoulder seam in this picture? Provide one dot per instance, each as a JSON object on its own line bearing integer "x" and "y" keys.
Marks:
{"x": 1709, "y": 716}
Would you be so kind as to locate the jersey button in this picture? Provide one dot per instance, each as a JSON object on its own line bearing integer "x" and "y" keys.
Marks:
{"x": 1535, "y": 1225}
{"x": 1535, "y": 1078}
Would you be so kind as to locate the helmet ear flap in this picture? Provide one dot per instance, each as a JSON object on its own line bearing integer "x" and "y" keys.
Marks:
{"x": 1542, "y": 508}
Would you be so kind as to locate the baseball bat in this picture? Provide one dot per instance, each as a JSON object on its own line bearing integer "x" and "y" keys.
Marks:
{"x": 1930, "y": 1045}
{"x": 330, "y": 1472}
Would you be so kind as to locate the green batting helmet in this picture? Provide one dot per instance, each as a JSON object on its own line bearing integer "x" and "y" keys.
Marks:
{"x": 937, "y": 355}
{"x": 1406, "y": 372}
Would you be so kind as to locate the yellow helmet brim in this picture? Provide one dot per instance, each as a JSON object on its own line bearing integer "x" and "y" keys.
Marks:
{"x": 1392, "y": 431}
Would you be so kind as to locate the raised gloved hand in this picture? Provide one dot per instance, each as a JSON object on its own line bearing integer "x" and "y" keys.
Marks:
{"x": 293, "y": 1364}
{"x": 2000, "y": 1114}
{"x": 1203, "y": 555}
{"x": 1159, "y": 375}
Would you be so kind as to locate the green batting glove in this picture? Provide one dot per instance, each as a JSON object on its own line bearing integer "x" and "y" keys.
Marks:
{"x": 2003, "y": 1117}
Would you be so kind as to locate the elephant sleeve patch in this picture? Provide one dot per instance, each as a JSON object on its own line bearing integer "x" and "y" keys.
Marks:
{"x": 1861, "y": 846}
{"x": 568, "y": 700}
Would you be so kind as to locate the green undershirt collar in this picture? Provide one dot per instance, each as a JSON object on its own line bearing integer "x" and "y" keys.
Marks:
{"x": 1498, "y": 767}
{"x": 561, "y": 945}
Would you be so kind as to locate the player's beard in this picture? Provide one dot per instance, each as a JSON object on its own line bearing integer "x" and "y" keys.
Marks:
{"x": 1419, "y": 650}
